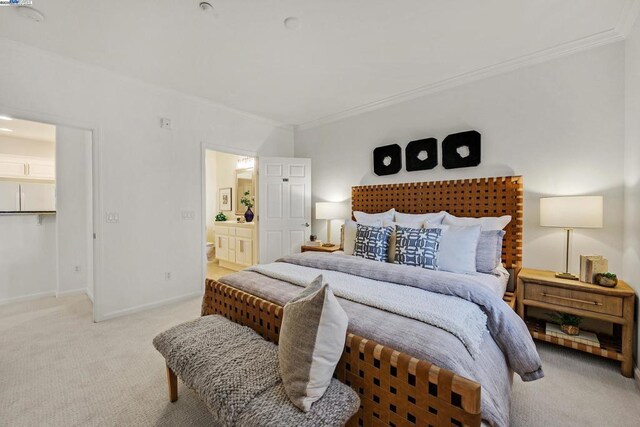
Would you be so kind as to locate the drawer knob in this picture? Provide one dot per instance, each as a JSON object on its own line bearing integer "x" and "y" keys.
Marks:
{"x": 544, "y": 294}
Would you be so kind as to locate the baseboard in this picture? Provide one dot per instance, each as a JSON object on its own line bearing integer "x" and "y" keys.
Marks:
{"x": 71, "y": 292}
{"x": 89, "y": 294}
{"x": 636, "y": 376}
{"x": 149, "y": 306}
{"x": 27, "y": 297}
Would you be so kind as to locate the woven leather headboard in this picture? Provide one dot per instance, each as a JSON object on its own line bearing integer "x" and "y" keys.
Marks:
{"x": 465, "y": 198}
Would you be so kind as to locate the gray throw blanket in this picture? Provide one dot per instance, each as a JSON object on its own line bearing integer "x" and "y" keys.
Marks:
{"x": 235, "y": 371}
{"x": 506, "y": 328}
{"x": 468, "y": 325}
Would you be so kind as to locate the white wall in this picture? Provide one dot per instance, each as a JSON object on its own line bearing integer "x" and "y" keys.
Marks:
{"x": 27, "y": 147}
{"x": 73, "y": 209}
{"x": 632, "y": 167}
{"x": 559, "y": 124}
{"x": 146, "y": 174}
{"x": 27, "y": 257}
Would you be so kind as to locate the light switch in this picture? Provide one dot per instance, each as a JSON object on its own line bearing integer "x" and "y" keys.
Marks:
{"x": 113, "y": 217}
{"x": 188, "y": 215}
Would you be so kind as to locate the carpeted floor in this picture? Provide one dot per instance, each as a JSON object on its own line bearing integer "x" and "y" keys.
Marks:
{"x": 57, "y": 368}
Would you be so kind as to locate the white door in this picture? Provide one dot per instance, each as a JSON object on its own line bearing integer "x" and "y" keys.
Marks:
{"x": 9, "y": 197}
{"x": 284, "y": 211}
{"x": 37, "y": 197}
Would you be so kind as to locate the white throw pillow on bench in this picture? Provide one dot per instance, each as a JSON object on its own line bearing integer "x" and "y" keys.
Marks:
{"x": 312, "y": 337}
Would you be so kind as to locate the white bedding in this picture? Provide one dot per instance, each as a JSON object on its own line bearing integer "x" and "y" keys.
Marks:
{"x": 496, "y": 282}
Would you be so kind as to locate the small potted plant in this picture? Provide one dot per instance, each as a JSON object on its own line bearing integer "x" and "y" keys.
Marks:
{"x": 608, "y": 280}
{"x": 221, "y": 217}
{"x": 248, "y": 202}
{"x": 569, "y": 324}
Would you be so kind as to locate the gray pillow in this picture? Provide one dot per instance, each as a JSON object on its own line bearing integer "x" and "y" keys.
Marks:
{"x": 312, "y": 336}
{"x": 489, "y": 251}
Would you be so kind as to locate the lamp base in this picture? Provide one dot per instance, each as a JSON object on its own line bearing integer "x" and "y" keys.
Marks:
{"x": 566, "y": 276}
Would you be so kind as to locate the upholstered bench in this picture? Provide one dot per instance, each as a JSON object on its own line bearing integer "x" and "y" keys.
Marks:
{"x": 235, "y": 371}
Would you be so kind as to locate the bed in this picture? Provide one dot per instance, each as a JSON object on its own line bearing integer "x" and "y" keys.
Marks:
{"x": 405, "y": 371}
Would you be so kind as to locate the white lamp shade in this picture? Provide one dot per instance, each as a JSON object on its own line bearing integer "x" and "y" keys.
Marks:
{"x": 571, "y": 212}
{"x": 331, "y": 210}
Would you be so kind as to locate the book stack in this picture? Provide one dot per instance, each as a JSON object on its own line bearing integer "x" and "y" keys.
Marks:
{"x": 590, "y": 265}
{"x": 313, "y": 243}
{"x": 587, "y": 338}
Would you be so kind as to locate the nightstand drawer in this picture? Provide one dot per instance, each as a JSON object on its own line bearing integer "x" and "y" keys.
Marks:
{"x": 576, "y": 299}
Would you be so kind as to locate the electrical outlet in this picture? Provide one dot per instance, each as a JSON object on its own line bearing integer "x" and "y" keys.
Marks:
{"x": 167, "y": 275}
{"x": 165, "y": 123}
{"x": 77, "y": 269}
{"x": 188, "y": 215}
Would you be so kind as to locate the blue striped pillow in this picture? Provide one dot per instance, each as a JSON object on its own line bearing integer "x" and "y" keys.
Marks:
{"x": 417, "y": 246}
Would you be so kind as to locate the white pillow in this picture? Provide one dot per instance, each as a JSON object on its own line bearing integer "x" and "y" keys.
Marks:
{"x": 416, "y": 223}
{"x": 487, "y": 223}
{"x": 312, "y": 336}
{"x": 370, "y": 219}
{"x": 433, "y": 218}
{"x": 350, "y": 229}
{"x": 458, "y": 248}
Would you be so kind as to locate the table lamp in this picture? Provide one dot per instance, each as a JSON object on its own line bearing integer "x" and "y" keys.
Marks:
{"x": 329, "y": 211}
{"x": 571, "y": 212}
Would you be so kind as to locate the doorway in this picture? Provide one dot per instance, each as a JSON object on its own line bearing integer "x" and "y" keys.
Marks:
{"x": 46, "y": 210}
{"x": 230, "y": 223}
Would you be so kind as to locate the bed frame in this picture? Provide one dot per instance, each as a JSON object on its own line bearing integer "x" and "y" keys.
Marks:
{"x": 396, "y": 389}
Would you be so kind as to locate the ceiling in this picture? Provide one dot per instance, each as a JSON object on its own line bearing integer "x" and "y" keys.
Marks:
{"x": 27, "y": 130}
{"x": 345, "y": 55}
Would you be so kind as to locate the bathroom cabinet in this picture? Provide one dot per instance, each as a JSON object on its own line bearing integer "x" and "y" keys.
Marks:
{"x": 235, "y": 244}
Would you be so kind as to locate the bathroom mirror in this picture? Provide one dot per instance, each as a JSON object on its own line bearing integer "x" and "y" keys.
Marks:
{"x": 244, "y": 182}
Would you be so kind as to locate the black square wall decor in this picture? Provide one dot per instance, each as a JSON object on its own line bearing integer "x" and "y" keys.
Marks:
{"x": 461, "y": 150}
{"x": 421, "y": 154}
{"x": 387, "y": 160}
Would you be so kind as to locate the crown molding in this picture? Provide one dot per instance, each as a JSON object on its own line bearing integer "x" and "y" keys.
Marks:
{"x": 628, "y": 16}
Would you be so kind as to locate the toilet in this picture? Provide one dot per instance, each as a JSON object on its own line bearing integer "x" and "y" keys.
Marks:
{"x": 211, "y": 251}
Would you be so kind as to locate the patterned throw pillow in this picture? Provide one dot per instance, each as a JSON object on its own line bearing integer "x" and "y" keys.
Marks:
{"x": 372, "y": 242}
{"x": 417, "y": 247}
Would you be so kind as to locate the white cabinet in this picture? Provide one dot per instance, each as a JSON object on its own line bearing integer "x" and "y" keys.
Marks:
{"x": 235, "y": 244}
{"x": 222, "y": 248}
{"x": 36, "y": 197}
{"x": 244, "y": 251}
{"x": 9, "y": 197}
{"x": 41, "y": 169}
{"x": 27, "y": 197}
{"x": 25, "y": 167}
{"x": 12, "y": 167}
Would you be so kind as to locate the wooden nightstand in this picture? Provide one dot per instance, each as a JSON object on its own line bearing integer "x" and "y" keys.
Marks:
{"x": 538, "y": 288}
{"x": 329, "y": 249}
